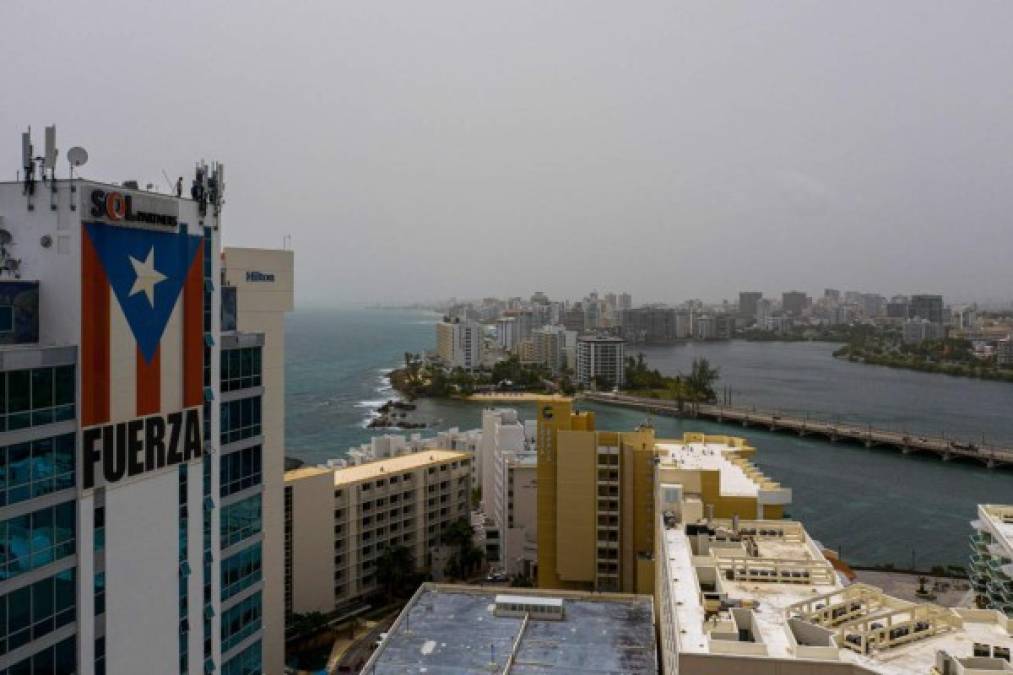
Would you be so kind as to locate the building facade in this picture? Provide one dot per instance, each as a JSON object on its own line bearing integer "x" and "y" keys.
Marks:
{"x": 927, "y": 307}
{"x": 459, "y": 343}
{"x": 601, "y": 361}
{"x": 339, "y": 521}
{"x": 132, "y": 519}
{"x": 748, "y": 304}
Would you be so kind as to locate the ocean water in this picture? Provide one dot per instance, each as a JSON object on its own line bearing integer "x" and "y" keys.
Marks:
{"x": 876, "y": 505}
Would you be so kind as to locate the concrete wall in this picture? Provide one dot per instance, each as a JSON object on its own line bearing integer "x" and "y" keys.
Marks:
{"x": 576, "y": 506}
{"x": 312, "y": 544}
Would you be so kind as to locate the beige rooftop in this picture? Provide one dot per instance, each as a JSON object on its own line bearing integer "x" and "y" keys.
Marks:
{"x": 379, "y": 468}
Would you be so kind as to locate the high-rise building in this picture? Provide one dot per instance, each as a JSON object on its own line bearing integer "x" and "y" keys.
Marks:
{"x": 506, "y": 332}
{"x": 459, "y": 343}
{"x": 625, "y": 301}
{"x": 601, "y": 361}
{"x": 832, "y": 295}
{"x": 794, "y": 302}
{"x": 651, "y": 325}
{"x": 507, "y": 456}
{"x": 928, "y": 307}
{"x": 539, "y": 298}
{"x": 573, "y": 318}
{"x": 340, "y": 521}
{"x": 611, "y": 475}
{"x": 748, "y": 304}
{"x": 142, "y": 434}
{"x": 899, "y": 307}
{"x": 549, "y": 342}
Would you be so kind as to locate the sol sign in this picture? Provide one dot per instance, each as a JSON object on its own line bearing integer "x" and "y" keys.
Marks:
{"x": 123, "y": 207}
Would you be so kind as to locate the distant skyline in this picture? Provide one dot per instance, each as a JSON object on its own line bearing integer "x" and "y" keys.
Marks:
{"x": 417, "y": 151}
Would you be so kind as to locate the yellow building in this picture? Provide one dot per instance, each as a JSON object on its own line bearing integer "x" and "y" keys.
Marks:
{"x": 596, "y": 496}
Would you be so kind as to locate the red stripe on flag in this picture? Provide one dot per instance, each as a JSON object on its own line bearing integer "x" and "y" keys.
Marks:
{"x": 193, "y": 332}
{"x": 94, "y": 336}
{"x": 149, "y": 383}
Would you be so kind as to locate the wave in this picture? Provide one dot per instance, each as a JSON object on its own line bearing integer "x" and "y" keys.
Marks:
{"x": 371, "y": 404}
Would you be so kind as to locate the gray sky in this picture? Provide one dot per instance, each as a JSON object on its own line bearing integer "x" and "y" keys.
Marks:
{"x": 417, "y": 150}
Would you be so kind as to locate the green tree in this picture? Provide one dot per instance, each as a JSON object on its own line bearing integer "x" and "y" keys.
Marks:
{"x": 467, "y": 557}
{"x": 395, "y": 569}
{"x": 701, "y": 380}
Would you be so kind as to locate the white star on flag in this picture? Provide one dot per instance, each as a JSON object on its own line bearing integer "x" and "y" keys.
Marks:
{"x": 147, "y": 276}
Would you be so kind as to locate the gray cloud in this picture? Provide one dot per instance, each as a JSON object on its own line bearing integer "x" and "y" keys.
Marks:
{"x": 674, "y": 149}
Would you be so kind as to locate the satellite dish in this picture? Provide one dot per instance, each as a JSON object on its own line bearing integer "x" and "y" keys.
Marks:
{"x": 77, "y": 156}
{"x": 5, "y": 237}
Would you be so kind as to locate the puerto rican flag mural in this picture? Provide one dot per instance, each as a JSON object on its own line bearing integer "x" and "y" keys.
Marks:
{"x": 142, "y": 313}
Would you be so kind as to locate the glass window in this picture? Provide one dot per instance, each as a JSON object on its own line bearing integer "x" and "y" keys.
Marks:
{"x": 241, "y": 621}
{"x": 240, "y": 470}
{"x": 6, "y": 319}
{"x": 241, "y": 571}
{"x": 240, "y": 419}
{"x": 241, "y": 368}
{"x": 37, "y": 468}
{"x": 246, "y": 662}
{"x": 240, "y": 520}
{"x": 34, "y": 397}
{"x": 36, "y": 539}
{"x": 36, "y": 610}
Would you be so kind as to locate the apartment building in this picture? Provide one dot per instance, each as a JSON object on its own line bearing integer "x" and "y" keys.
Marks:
{"x": 508, "y": 476}
{"x": 459, "y": 343}
{"x": 601, "y": 360}
{"x": 991, "y": 569}
{"x": 140, "y": 434}
{"x": 338, "y": 521}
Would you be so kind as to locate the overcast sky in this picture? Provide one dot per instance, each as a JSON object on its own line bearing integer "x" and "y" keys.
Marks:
{"x": 681, "y": 149}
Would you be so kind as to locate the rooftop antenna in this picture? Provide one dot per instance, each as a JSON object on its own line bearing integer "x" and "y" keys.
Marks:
{"x": 49, "y": 159}
{"x": 28, "y": 164}
{"x": 76, "y": 156}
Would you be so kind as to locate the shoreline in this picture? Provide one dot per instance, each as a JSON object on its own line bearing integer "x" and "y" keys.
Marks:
{"x": 951, "y": 370}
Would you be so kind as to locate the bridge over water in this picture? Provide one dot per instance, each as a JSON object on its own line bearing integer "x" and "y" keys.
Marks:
{"x": 947, "y": 448}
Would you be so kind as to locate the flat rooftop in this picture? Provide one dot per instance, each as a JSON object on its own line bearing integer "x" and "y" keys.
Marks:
{"x": 770, "y": 602}
{"x": 709, "y": 457}
{"x": 771, "y": 599}
{"x": 451, "y": 630}
{"x": 1000, "y": 516}
{"x": 380, "y": 467}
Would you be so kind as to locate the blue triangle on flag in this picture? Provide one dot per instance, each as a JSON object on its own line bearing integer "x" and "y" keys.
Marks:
{"x": 147, "y": 301}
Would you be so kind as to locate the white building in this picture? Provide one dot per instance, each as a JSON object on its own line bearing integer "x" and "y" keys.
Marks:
{"x": 506, "y": 332}
{"x": 507, "y": 460}
{"x": 601, "y": 360}
{"x": 141, "y": 436}
{"x": 459, "y": 343}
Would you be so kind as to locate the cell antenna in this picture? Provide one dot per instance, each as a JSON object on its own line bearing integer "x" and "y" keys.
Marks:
{"x": 51, "y": 151}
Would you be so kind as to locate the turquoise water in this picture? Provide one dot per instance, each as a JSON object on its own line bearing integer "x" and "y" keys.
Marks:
{"x": 876, "y": 505}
